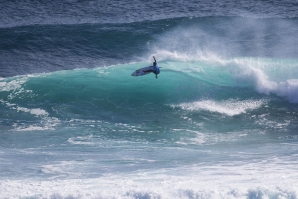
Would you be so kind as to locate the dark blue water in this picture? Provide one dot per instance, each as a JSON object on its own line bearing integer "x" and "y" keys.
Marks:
{"x": 219, "y": 122}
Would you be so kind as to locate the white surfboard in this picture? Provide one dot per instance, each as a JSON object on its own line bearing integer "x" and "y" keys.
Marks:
{"x": 141, "y": 71}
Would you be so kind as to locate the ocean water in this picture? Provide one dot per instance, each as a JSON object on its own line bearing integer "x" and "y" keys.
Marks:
{"x": 221, "y": 120}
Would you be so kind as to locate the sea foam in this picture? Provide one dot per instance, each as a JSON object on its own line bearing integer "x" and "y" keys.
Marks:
{"x": 227, "y": 107}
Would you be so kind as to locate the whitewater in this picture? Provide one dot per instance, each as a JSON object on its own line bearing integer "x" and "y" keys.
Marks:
{"x": 219, "y": 122}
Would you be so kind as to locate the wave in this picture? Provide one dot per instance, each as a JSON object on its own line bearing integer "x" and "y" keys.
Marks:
{"x": 109, "y": 99}
{"x": 110, "y": 94}
{"x": 237, "y": 72}
{"x": 229, "y": 87}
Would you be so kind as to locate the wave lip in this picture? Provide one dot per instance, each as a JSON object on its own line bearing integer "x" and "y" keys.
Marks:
{"x": 227, "y": 107}
{"x": 287, "y": 89}
{"x": 263, "y": 83}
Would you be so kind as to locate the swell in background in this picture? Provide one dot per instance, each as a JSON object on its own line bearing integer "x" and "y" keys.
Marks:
{"x": 46, "y": 48}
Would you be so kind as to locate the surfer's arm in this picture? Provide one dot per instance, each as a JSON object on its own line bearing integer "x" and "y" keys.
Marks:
{"x": 154, "y": 58}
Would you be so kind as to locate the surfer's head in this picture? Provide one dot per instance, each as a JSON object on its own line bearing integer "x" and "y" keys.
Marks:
{"x": 154, "y": 63}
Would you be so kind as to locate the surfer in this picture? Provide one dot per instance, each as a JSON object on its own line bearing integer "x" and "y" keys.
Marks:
{"x": 155, "y": 69}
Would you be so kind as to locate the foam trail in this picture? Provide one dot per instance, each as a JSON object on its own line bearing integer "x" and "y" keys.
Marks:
{"x": 228, "y": 107}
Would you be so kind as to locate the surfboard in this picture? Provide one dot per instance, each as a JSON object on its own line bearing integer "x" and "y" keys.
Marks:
{"x": 141, "y": 71}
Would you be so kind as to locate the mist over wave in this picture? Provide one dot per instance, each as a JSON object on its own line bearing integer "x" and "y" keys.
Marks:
{"x": 259, "y": 52}
{"x": 230, "y": 37}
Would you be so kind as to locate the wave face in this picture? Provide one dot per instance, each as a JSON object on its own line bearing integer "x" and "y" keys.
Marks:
{"x": 220, "y": 121}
